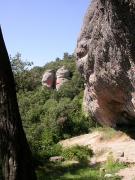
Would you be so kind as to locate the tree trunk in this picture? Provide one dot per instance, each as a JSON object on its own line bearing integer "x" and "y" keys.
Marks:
{"x": 15, "y": 152}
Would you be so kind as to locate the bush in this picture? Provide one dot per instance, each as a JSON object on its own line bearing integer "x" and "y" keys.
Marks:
{"x": 45, "y": 147}
{"x": 79, "y": 153}
{"x": 50, "y": 151}
{"x": 111, "y": 166}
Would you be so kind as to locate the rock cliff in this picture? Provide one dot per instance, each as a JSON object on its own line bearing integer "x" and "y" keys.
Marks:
{"x": 106, "y": 57}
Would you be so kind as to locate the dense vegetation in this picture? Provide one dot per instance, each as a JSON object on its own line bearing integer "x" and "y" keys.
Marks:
{"x": 48, "y": 115}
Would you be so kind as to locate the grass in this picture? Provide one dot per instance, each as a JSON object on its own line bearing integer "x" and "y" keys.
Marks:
{"x": 67, "y": 171}
{"x": 108, "y": 133}
{"x": 70, "y": 171}
{"x": 100, "y": 152}
{"x": 112, "y": 166}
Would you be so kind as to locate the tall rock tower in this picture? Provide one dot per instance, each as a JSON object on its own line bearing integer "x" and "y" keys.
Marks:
{"x": 106, "y": 57}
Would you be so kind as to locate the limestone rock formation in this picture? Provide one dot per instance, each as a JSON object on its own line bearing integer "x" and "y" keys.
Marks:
{"x": 106, "y": 57}
{"x": 52, "y": 79}
{"x": 62, "y": 76}
{"x": 48, "y": 79}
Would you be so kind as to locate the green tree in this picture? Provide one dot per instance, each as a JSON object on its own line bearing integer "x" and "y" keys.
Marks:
{"x": 21, "y": 72}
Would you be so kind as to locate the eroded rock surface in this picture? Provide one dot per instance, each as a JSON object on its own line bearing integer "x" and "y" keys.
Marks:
{"x": 106, "y": 57}
{"x": 52, "y": 79}
{"x": 62, "y": 76}
{"x": 48, "y": 79}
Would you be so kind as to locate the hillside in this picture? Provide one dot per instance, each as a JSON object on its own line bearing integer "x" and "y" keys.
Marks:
{"x": 49, "y": 115}
{"x": 74, "y": 117}
{"x": 105, "y": 142}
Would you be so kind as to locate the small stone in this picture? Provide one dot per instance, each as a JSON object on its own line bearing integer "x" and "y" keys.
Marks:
{"x": 108, "y": 176}
{"x": 56, "y": 159}
{"x": 119, "y": 154}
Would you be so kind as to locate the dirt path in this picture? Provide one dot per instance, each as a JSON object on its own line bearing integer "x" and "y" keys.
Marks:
{"x": 127, "y": 173}
{"x": 121, "y": 146}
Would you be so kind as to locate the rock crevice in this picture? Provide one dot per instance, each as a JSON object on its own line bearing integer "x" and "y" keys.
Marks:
{"x": 54, "y": 80}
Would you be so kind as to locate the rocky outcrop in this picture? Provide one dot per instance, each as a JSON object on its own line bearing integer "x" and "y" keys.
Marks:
{"x": 62, "y": 76}
{"x": 106, "y": 58}
{"x": 56, "y": 159}
{"x": 48, "y": 79}
{"x": 52, "y": 79}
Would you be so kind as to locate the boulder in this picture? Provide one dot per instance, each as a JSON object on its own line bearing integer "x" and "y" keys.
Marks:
{"x": 48, "y": 79}
{"x": 56, "y": 159}
{"x": 109, "y": 176}
{"x": 106, "y": 58}
{"x": 62, "y": 76}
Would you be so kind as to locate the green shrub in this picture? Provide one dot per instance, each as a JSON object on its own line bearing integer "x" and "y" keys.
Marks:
{"x": 43, "y": 143}
{"x": 79, "y": 153}
{"x": 49, "y": 151}
{"x": 111, "y": 166}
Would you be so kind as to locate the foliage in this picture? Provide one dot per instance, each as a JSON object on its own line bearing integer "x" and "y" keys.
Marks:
{"x": 108, "y": 132}
{"x": 111, "y": 166}
{"x": 49, "y": 115}
{"x": 26, "y": 79}
{"x": 79, "y": 153}
{"x": 69, "y": 170}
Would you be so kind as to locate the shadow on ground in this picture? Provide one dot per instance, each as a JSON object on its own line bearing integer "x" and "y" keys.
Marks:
{"x": 54, "y": 171}
{"x": 129, "y": 129}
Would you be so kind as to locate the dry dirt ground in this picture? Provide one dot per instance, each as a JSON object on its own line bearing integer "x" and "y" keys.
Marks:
{"x": 127, "y": 173}
{"x": 103, "y": 143}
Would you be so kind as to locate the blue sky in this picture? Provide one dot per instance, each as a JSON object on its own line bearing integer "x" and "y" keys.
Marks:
{"x": 41, "y": 30}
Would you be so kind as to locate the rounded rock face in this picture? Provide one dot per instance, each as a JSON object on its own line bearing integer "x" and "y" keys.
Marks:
{"x": 48, "y": 79}
{"x": 106, "y": 57}
{"x": 62, "y": 76}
